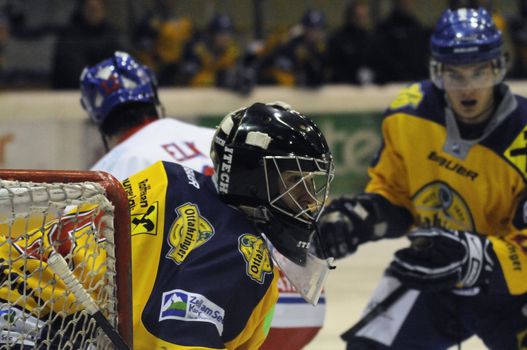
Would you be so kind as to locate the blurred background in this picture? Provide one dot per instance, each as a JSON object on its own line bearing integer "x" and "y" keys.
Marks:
{"x": 233, "y": 43}
{"x": 341, "y": 62}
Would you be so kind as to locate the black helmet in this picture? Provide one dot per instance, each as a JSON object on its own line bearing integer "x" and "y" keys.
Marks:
{"x": 274, "y": 163}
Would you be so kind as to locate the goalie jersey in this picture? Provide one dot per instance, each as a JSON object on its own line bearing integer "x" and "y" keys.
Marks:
{"x": 463, "y": 183}
{"x": 202, "y": 276}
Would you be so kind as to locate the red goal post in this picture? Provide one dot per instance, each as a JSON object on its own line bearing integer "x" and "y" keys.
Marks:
{"x": 84, "y": 216}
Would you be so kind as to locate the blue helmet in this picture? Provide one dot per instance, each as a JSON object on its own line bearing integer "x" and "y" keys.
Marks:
{"x": 116, "y": 81}
{"x": 465, "y": 36}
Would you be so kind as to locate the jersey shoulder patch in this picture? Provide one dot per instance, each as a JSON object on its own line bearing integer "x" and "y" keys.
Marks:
{"x": 256, "y": 255}
{"x": 189, "y": 231}
{"x": 421, "y": 100}
{"x": 409, "y": 97}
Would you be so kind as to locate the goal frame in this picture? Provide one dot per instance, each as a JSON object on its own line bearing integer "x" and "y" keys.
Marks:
{"x": 117, "y": 196}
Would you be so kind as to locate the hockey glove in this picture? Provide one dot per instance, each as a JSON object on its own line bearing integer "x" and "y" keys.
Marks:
{"x": 346, "y": 223}
{"x": 440, "y": 259}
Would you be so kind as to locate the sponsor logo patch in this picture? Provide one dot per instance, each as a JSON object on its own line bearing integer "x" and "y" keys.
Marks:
{"x": 179, "y": 304}
{"x": 145, "y": 222}
{"x": 144, "y": 187}
{"x": 129, "y": 193}
{"x": 439, "y": 205}
{"x": 191, "y": 177}
{"x": 189, "y": 231}
{"x": 224, "y": 176}
{"x": 453, "y": 166}
{"x": 18, "y": 327}
{"x": 255, "y": 253}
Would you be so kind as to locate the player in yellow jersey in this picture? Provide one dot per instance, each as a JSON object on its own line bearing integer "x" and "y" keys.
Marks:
{"x": 452, "y": 174}
{"x": 204, "y": 248}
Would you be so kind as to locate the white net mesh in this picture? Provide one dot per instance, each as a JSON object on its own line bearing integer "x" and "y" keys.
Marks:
{"x": 37, "y": 311}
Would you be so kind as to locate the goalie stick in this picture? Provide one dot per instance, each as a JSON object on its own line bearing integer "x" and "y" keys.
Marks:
{"x": 395, "y": 295}
{"x": 60, "y": 267}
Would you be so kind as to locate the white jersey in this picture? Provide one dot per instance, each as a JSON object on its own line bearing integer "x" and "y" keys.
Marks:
{"x": 164, "y": 139}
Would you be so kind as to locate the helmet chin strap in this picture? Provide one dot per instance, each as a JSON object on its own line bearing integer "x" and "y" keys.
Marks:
{"x": 257, "y": 214}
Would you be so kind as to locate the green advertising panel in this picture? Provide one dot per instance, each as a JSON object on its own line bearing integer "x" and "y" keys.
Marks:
{"x": 354, "y": 138}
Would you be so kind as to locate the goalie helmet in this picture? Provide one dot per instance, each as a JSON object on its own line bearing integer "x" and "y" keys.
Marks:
{"x": 116, "y": 81}
{"x": 274, "y": 164}
{"x": 466, "y": 36}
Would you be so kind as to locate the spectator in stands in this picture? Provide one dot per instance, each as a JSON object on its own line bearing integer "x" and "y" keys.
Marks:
{"x": 347, "y": 46}
{"x": 517, "y": 26}
{"x": 210, "y": 59}
{"x": 457, "y": 4}
{"x": 302, "y": 60}
{"x": 4, "y": 38}
{"x": 159, "y": 40}
{"x": 87, "y": 39}
{"x": 519, "y": 64}
{"x": 399, "y": 46}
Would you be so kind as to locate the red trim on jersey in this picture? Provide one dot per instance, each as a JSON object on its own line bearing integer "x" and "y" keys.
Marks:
{"x": 289, "y": 338}
{"x": 136, "y": 128}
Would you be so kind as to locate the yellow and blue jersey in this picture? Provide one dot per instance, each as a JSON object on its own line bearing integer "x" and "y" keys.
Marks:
{"x": 202, "y": 275}
{"x": 445, "y": 180}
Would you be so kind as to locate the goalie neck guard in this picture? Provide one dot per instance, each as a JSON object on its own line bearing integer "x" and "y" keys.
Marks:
{"x": 274, "y": 164}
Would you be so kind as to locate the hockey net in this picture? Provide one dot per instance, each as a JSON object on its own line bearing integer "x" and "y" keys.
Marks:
{"x": 83, "y": 216}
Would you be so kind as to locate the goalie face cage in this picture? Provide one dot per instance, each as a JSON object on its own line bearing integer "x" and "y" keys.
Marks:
{"x": 82, "y": 215}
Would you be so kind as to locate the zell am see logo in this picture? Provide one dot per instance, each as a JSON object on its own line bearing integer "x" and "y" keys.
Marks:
{"x": 437, "y": 204}
{"x": 256, "y": 256}
{"x": 19, "y": 322}
{"x": 179, "y": 304}
{"x": 189, "y": 231}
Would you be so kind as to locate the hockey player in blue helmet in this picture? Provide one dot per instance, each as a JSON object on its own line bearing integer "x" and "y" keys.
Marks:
{"x": 468, "y": 62}
{"x": 451, "y": 175}
{"x": 120, "y": 96}
{"x": 117, "y": 81}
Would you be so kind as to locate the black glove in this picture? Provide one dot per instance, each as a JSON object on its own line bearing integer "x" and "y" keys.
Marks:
{"x": 440, "y": 259}
{"x": 346, "y": 223}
